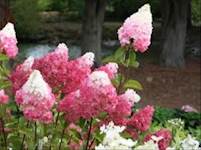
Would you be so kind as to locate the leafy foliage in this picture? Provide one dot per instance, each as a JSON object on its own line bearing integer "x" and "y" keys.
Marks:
{"x": 196, "y": 13}
{"x": 26, "y": 13}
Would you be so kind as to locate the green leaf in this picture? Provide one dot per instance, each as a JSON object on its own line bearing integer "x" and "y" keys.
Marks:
{"x": 118, "y": 56}
{"x": 3, "y": 57}
{"x": 110, "y": 58}
{"x": 4, "y": 84}
{"x": 133, "y": 84}
{"x": 119, "y": 78}
{"x": 75, "y": 134}
{"x": 131, "y": 60}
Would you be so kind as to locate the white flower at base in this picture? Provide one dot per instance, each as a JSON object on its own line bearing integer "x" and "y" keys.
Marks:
{"x": 150, "y": 145}
{"x": 189, "y": 143}
{"x": 171, "y": 148}
{"x": 176, "y": 122}
{"x": 113, "y": 140}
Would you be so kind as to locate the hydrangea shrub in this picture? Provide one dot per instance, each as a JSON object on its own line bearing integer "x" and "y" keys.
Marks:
{"x": 60, "y": 103}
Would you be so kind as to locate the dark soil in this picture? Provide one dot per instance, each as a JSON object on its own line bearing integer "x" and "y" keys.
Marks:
{"x": 169, "y": 87}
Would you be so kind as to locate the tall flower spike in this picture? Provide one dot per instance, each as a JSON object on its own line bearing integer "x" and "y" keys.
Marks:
{"x": 8, "y": 41}
{"x": 136, "y": 30}
{"x": 36, "y": 98}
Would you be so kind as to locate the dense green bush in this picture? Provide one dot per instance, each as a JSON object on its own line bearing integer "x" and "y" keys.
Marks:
{"x": 26, "y": 16}
{"x": 196, "y": 11}
{"x": 44, "y": 5}
{"x": 122, "y": 9}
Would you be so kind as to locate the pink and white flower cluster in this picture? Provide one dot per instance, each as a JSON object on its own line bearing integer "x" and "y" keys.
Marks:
{"x": 136, "y": 30}
{"x": 36, "y": 99}
{"x": 164, "y": 137}
{"x": 87, "y": 93}
{"x": 8, "y": 41}
{"x": 141, "y": 120}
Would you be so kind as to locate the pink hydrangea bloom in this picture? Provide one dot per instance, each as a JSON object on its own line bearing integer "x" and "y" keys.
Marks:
{"x": 53, "y": 66}
{"x": 111, "y": 69}
{"x": 62, "y": 74}
{"x": 36, "y": 98}
{"x": 141, "y": 120}
{"x": 8, "y": 41}
{"x": 124, "y": 107}
{"x": 137, "y": 29}
{"x": 3, "y": 97}
{"x": 165, "y": 138}
{"x": 21, "y": 73}
{"x": 95, "y": 95}
{"x": 77, "y": 71}
{"x": 121, "y": 112}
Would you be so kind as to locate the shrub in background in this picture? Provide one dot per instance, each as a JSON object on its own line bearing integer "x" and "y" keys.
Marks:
{"x": 196, "y": 11}
{"x": 26, "y": 13}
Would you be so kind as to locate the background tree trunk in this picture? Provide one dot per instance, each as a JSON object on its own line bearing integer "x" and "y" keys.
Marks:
{"x": 2, "y": 13}
{"x": 92, "y": 27}
{"x": 174, "y": 27}
{"x": 5, "y": 13}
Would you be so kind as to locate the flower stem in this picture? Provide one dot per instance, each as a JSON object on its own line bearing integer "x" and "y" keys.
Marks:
{"x": 123, "y": 71}
{"x": 89, "y": 133}
{"x": 35, "y": 132}
{"x": 62, "y": 136}
{"x": 24, "y": 136}
{"x": 92, "y": 142}
{"x": 4, "y": 133}
{"x": 57, "y": 118}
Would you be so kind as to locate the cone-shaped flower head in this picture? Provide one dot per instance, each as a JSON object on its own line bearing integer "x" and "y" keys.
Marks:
{"x": 8, "y": 41}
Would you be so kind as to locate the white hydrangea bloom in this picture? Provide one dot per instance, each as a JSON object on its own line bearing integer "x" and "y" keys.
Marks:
{"x": 9, "y": 30}
{"x": 36, "y": 85}
{"x": 177, "y": 122}
{"x": 171, "y": 148}
{"x": 113, "y": 140}
{"x": 62, "y": 49}
{"x": 87, "y": 59}
{"x": 150, "y": 145}
{"x": 146, "y": 9}
{"x": 132, "y": 96}
{"x": 113, "y": 66}
{"x": 98, "y": 79}
{"x": 189, "y": 143}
